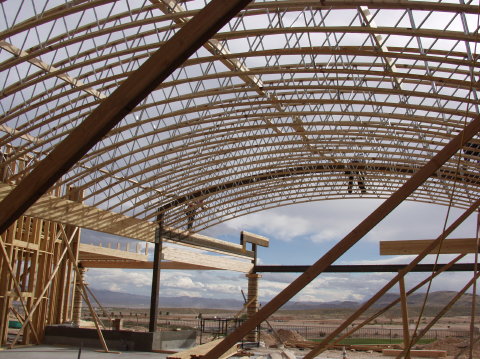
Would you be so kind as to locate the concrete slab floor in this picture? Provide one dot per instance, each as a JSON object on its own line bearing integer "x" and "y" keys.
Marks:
{"x": 57, "y": 352}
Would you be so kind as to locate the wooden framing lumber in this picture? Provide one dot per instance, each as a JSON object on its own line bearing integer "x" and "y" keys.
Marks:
{"x": 247, "y": 237}
{"x": 353, "y": 237}
{"x": 416, "y": 353}
{"x": 173, "y": 258}
{"x": 201, "y": 241}
{"x": 449, "y": 246}
{"x": 435, "y": 272}
{"x": 114, "y": 108}
{"x": 93, "y": 263}
{"x": 201, "y": 350}
{"x": 84, "y": 290}
{"x": 16, "y": 286}
{"x": 418, "y": 335}
{"x": 52, "y": 69}
{"x": 178, "y": 255}
{"x": 77, "y": 214}
{"x": 93, "y": 252}
{"x": 44, "y": 290}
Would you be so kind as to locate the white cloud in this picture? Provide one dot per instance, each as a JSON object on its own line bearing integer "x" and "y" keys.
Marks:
{"x": 281, "y": 226}
{"x": 116, "y": 279}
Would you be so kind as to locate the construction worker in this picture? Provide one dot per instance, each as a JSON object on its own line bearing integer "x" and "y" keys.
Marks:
{"x": 352, "y": 172}
{"x": 191, "y": 211}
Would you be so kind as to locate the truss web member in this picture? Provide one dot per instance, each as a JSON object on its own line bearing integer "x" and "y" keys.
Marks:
{"x": 353, "y": 173}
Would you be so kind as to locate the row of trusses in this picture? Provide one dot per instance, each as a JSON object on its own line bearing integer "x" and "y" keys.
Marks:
{"x": 271, "y": 110}
{"x": 150, "y": 106}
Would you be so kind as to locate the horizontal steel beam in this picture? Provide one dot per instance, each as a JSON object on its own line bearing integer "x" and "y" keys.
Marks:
{"x": 362, "y": 268}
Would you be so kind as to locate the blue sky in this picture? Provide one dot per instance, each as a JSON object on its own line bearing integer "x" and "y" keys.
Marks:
{"x": 300, "y": 234}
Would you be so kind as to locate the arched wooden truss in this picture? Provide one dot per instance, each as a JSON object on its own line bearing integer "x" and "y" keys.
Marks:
{"x": 272, "y": 110}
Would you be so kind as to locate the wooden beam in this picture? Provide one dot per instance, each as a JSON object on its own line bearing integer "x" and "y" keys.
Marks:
{"x": 178, "y": 255}
{"x": 198, "y": 240}
{"x": 350, "y": 239}
{"x": 253, "y": 238}
{"x": 173, "y": 258}
{"x": 416, "y": 353}
{"x": 449, "y": 246}
{"x": 126, "y": 264}
{"x": 51, "y": 69}
{"x": 114, "y": 108}
{"x": 93, "y": 252}
{"x": 81, "y": 215}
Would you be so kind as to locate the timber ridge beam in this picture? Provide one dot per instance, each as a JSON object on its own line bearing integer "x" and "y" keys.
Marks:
{"x": 363, "y": 268}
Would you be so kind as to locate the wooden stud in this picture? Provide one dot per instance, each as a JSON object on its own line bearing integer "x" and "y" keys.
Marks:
{"x": 39, "y": 297}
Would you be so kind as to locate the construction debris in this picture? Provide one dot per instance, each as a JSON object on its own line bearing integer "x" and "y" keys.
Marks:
{"x": 201, "y": 350}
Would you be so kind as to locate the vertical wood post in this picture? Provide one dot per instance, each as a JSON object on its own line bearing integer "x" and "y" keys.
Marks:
{"x": 157, "y": 258}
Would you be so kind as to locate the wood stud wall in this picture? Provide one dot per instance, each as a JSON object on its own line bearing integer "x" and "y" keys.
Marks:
{"x": 34, "y": 248}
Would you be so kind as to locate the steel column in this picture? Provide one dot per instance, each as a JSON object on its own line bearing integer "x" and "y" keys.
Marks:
{"x": 157, "y": 259}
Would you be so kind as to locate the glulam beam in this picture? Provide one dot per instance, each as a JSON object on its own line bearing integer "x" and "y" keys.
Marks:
{"x": 449, "y": 246}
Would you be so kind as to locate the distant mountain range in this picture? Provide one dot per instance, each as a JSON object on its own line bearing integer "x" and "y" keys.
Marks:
{"x": 127, "y": 300}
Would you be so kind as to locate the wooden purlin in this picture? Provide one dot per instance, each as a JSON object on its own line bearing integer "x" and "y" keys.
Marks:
{"x": 51, "y": 69}
{"x": 253, "y": 81}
